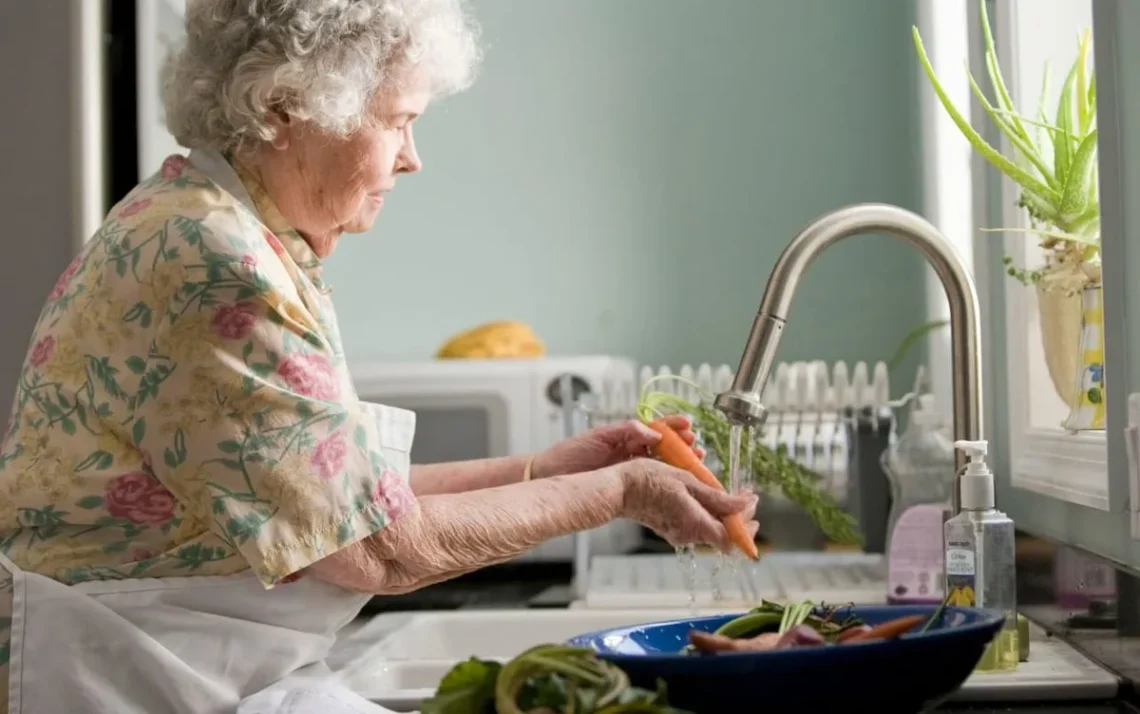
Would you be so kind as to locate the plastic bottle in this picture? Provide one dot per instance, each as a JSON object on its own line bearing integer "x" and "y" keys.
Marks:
{"x": 980, "y": 558}
{"x": 920, "y": 468}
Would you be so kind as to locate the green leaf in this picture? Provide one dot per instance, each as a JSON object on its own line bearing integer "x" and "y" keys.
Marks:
{"x": 139, "y": 312}
{"x": 910, "y": 339}
{"x": 68, "y": 425}
{"x": 136, "y": 364}
{"x": 244, "y": 528}
{"x": 1010, "y": 169}
{"x": 1076, "y": 196}
{"x": 343, "y": 533}
{"x": 90, "y": 502}
{"x": 1062, "y": 151}
{"x": 180, "y": 445}
{"x": 99, "y": 459}
{"x": 467, "y": 688}
{"x": 1085, "y": 111}
{"x": 229, "y": 447}
{"x": 1005, "y": 121}
{"x": 138, "y": 431}
{"x": 994, "y": 69}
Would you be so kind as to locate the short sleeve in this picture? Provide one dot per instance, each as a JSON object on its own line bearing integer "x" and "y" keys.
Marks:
{"x": 245, "y": 414}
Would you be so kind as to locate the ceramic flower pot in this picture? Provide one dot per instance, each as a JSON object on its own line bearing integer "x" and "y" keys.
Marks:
{"x": 1061, "y": 338}
{"x": 1088, "y": 408}
{"x": 1073, "y": 341}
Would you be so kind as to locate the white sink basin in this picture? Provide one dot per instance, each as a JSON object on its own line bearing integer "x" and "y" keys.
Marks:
{"x": 410, "y": 653}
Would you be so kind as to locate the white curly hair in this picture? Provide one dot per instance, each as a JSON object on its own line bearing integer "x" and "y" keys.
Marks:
{"x": 320, "y": 61}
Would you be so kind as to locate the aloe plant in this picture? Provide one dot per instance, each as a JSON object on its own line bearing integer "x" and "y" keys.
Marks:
{"x": 1053, "y": 162}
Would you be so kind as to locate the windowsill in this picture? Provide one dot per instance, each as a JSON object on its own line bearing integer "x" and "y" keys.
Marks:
{"x": 1071, "y": 467}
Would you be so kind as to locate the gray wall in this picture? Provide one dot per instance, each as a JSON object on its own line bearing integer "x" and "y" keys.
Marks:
{"x": 624, "y": 174}
{"x": 36, "y": 170}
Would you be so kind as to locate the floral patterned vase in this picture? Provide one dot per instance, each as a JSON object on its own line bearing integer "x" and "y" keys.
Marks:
{"x": 1088, "y": 408}
{"x": 1060, "y": 312}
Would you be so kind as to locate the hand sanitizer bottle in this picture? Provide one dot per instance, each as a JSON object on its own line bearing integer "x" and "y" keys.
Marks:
{"x": 980, "y": 558}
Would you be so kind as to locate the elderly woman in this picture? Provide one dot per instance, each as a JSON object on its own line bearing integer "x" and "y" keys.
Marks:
{"x": 193, "y": 498}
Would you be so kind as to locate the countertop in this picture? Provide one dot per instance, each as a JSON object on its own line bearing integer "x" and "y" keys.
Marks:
{"x": 537, "y": 585}
{"x": 1051, "y": 708}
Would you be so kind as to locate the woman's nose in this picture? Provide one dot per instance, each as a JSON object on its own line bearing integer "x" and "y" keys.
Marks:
{"x": 409, "y": 158}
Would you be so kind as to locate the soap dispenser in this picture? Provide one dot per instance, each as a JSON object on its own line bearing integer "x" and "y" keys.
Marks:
{"x": 980, "y": 557}
{"x": 920, "y": 467}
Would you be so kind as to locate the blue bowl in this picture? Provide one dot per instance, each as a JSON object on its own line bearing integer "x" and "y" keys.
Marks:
{"x": 913, "y": 673}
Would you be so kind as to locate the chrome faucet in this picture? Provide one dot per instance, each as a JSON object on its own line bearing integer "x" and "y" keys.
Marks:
{"x": 741, "y": 404}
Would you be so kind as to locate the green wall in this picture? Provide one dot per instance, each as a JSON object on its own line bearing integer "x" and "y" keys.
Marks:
{"x": 625, "y": 172}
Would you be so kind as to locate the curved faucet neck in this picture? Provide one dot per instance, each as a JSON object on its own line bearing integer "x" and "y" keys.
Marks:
{"x": 741, "y": 404}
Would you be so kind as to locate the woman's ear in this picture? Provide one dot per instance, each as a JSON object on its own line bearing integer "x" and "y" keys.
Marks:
{"x": 282, "y": 125}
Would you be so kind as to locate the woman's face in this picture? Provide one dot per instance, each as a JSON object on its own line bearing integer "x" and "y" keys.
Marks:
{"x": 326, "y": 185}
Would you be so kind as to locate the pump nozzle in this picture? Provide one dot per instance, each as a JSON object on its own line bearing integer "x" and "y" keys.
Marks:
{"x": 977, "y": 480}
{"x": 976, "y": 450}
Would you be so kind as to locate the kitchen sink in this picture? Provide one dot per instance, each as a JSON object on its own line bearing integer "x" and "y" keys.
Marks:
{"x": 399, "y": 658}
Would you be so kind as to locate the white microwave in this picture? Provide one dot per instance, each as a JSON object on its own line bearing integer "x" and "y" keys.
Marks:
{"x": 473, "y": 409}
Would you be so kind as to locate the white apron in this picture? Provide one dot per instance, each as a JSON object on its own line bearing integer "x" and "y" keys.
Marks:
{"x": 196, "y": 645}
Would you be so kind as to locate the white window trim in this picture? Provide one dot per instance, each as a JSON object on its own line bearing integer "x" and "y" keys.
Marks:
{"x": 947, "y": 199}
{"x": 1051, "y": 462}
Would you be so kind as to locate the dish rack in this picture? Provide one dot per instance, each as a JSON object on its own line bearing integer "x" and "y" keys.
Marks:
{"x": 833, "y": 419}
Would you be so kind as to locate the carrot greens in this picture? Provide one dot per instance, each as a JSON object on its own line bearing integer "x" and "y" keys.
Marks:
{"x": 771, "y": 469}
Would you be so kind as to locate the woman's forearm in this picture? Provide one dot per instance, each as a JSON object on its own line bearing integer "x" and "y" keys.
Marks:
{"x": 452, "y": 534}
{"x": 460, "y": 476}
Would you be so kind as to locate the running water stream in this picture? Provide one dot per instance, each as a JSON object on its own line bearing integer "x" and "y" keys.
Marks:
{"x": 740, "y": 477}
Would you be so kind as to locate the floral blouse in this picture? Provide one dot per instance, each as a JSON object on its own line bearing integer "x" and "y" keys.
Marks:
{"x": 184, "y": 407}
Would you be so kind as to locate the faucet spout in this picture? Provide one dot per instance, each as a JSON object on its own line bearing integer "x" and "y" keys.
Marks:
{"x": 741, "y": 404}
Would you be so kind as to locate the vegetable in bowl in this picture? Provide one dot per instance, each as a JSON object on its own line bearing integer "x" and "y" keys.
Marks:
{"x": 772, "y": 626}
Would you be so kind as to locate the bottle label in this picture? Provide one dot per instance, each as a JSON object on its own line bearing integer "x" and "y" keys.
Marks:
{"x": 915, "y": 561}
{"x": 960, "y": 574}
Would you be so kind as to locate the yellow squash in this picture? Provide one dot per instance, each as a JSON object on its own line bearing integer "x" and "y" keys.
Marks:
{"x": 500, "y": 339}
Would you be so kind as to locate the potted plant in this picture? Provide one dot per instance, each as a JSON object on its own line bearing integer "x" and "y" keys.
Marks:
{"x": 1053, "y": 159}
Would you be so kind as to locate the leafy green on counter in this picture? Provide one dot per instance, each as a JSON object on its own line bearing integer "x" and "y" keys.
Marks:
{"x": 547, "y": 679}
{"x": 467, "y": 688}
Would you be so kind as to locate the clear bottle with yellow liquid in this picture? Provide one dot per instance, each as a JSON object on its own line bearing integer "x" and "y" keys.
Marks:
{"x": 981, "y": 560}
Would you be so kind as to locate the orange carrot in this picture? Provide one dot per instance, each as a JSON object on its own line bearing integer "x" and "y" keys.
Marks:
{"x": 674, "y": 451}
{"x": 888, "y": 630}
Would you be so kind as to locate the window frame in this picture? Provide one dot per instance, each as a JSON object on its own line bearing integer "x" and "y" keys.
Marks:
{"x": 1072, "y": 468}
{"x": 1066, "y": 466}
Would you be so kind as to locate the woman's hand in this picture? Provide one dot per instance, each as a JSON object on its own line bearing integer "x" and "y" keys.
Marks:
{"x": 606, "y": 446}
{"x": 453, "y": 534}
{"x": 678, "y": 507}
